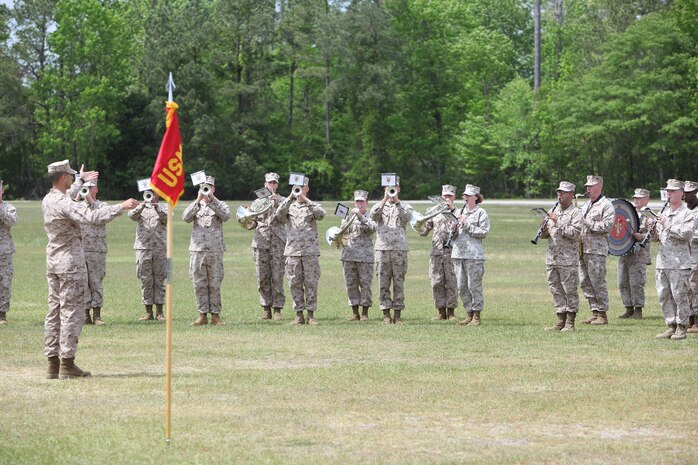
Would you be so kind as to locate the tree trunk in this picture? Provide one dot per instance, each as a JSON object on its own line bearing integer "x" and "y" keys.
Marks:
{"x": 536, "y": 45}
{"x": 290, "y": 96}
{"x": 327, "y": 101}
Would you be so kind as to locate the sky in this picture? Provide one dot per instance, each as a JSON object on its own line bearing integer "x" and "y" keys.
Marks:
{"x": 6, "y": 2}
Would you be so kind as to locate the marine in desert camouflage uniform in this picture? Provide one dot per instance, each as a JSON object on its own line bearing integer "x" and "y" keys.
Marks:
{"x": 65, "y": 267}
{"x": 689, "y": 191}
{"x": 206, "y": 249}
{"x": 300, "y": 215}
{"x": 8, "y": 218}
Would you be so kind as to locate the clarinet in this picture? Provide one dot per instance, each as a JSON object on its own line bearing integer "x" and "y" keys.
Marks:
{"x": 534, "y": 241}
{"x": 651, "y": 230}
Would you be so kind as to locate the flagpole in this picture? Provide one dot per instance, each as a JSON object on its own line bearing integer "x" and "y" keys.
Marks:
{"x": 170, "y": 86}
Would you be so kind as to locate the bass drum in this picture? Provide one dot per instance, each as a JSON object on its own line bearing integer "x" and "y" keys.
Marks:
{"x": 622, "y": 238}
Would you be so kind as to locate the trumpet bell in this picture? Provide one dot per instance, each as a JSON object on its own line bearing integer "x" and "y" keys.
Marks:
{"x": 246, "y": 216}
{"x": 332, "y": 234}
{"x": 148, "y": 196}
{"x": 416, "y": 218}
{"x": 392, "y": 191}
{"x": 296, "y": 191}
{"x": 84, "y": 191}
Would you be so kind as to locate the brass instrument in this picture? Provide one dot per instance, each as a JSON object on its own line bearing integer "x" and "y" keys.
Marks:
{"x": 651, "y": 229}
{"x": 247, "y": 216}
{"x": 418, "y": 220}
{"x": 148, "y": 196}
{"x": 336, "y": 236}
{"x": 297, "y": 191}
{"x": 392, "y": 192}
{"x": 543, "y": 225}
{"x": 84, "y": 192}
{"x": 205, "y": 190}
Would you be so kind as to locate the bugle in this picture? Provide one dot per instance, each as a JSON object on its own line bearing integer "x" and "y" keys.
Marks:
{"x": 543, "y": 225}
{"x": 335, "y": 235}
{"x": 418, "y": 220}
{"x": 148, "y": 196}
{"x": 84, "y": 192}
{"x": 392, "y": 192}
{"x": 205, "y": 190}
{"x": 296, "y": 191}
{"x": 651, "y": 229}
{"x": 246, "y": 216}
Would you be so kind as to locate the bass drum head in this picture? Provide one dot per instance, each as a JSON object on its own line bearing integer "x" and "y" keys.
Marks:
{"x": 622, "y": 239}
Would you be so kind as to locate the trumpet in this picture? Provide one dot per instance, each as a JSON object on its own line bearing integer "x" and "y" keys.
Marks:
{"x": 84, "y": 192}
{"x": 148, "y": 196}
{"x": 418, "y": 220}
{"x": 247, "y": 216}
{"x": 297, "y": 191}
{"x": 336, "y": 236}
{"x": 651, "y": 230}
{"x": 543, "y": 225}
{"x": 205, "y": 190}
{"x": 392, "y": 192}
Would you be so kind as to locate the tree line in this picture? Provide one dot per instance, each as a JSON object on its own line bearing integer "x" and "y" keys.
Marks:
{"x": 439, "y": 91}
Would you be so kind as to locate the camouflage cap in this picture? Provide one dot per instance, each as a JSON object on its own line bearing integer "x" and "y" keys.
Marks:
{"x": 674, "y": 185}
{"x": 211, "y": 180}
{"x": 690, "y": 186}
{"x": 61, "y": 167}
{"x": 448, "y": 189}
{"x": 593, "y": 180}
{"x": 641, "y": 193}
{"x": 566, "y": 186}
{"x": 361, "y": 195}
{"x": 471, "y": 190}
{"x": 271, "y": 177}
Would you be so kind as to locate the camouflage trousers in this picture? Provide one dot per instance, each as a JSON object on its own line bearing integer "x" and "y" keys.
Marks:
{"x": 66, "y": 314}
{"x": 391, "y": 267}
{"x": 303, "y": 277}
{"x": 592, "y": 279}
{"x": 632, "y": 276}
{"x": 469, "y": 274}
{"x": 96, "y": 263}
{"x": 269, "y": 264}
{"x": 443, "y": 281}
{"x": 673, "y": 289}
{"x": 7, "y": 271}
{"x": 693, "y": 282}
{"x": 357, "y": 278}
{"x": 206, "y": 274}
{"x": 563, "y": 282}
{"x": 151, "y": 269}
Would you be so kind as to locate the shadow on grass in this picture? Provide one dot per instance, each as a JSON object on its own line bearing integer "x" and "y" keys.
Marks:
{"x": 130, "y": 375}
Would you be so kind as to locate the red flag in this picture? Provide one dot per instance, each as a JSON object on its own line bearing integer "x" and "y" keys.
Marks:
{"x": 167, "y": 179}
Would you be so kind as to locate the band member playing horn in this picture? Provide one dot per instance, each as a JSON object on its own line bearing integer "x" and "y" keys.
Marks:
{"x": 206, "y": 249}
{"x": 598, "y": 216}
{"x": 8, "y": 218}
{"x": 392, "y": 217}
{"x": 151, "y": 253}
{"x": 689, "y": 194}
{"x": 268, "y": 246}
{"x": 357, "y": 257}
{"x": 94, "y": 245}
{"x": 674, "y": 232}
{"x": 468, "y": 254}
{"x": 441, "y": 273}
{"x": 300, "y": 215}
{"x": 632, "y": 267}
{"x": 562, "y": 229}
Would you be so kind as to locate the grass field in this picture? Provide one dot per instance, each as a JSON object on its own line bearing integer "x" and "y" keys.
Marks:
{"x": 422, "y": 393}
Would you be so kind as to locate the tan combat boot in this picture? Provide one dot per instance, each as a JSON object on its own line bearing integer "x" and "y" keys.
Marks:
{"x": 201, "y": 321}
{"x": 467, "y": 320}
{"x": 680, "y": 333}
{"x": 311, "y": 318}
{"x": 97, "y": 320}
{"x": 451, "y": 314}
{"x": 386, "y": 317}
{"x": 694, "y": 327}
{"x": 670, "y": 330}
{"x": 277, "y": 314}
{"x": 637, "y": 314}
{"x": 629, "y": 311}
{"x": 266, "y": 313}
{"x": 53, "y": 368}
{"x": 397, "y": 320}
{"x": 476, "y": 319}
{"x": 569, "y": 323}
{"x": 595, "y": 314}
{"x": 601, "y": 319}
{"x": 354, "y": 313}
{"x": 440, "y": 316}
{"x": 88, "y": 318}
{"x": 216, "y": 319}
{"x": 148, "y": 314}
{"x": 299, "y": 320}
{"x": 69, "y": 370}
{"x": 159, "y": 315}
{"x": 561, "y": 317}
{"x": 364, "y": 313}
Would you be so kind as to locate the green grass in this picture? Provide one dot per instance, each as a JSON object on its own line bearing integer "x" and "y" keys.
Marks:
{"x": 425, "y": 392}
